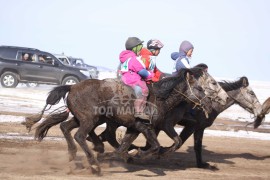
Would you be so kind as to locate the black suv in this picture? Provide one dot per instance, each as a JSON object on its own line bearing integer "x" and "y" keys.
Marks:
{"x": 28, "y": 65}
{"x": 78, "y": 62}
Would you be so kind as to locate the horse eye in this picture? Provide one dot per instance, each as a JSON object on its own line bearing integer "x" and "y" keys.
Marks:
{"x": 214, "y": 83}
{"x": 251, "y": 93}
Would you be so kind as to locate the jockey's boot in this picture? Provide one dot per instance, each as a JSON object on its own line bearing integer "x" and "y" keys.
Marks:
{"x": 139, "y": 106}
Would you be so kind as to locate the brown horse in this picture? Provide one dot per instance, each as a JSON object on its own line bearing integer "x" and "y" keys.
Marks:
{"x": 91, "y": 100}
{"x": 194, "y": 123}
{"x": 211, "y": 88}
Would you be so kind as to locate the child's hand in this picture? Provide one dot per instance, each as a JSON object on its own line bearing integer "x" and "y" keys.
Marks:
{"x": 144, "y": 73}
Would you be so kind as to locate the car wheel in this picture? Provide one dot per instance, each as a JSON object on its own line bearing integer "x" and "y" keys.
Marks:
{"x": 70, "y": 80}
{"x": 32, "y": 85}
{"x": 9, "y": 80}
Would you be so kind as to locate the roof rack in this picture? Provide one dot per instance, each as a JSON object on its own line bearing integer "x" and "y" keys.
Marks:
{"x": 20, "y": 47}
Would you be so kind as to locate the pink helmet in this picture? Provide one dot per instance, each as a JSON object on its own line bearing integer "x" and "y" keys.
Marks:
{"x": 154, "y": 44}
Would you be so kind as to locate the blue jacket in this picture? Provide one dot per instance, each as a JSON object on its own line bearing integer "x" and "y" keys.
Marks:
{"x": 181, "y": 61}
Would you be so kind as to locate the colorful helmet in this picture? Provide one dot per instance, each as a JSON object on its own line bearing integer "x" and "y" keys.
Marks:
{"x": 154, "y": 44}
{"x": 132, "y": 42}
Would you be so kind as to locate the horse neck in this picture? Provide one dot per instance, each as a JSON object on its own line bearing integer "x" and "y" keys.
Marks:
{"x": 220, "y": 108}
{"x": 171, "y": 102}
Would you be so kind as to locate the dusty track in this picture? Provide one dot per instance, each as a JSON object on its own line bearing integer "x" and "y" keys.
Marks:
{"x": 235, "y": 158}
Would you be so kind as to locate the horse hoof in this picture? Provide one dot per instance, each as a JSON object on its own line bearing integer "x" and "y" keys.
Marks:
{"x": 96, "y": 170}
{"x": 99, "y": 149}
{"x": 89, "y": 139}
{"x": 163, "y": 150}
{"x": 129, "y": 160}
{"x": 206, "y": 165}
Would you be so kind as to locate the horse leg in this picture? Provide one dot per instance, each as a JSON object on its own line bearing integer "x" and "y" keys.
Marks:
{"x": 66, "y": 127}
{"x": 170, "y": 131}
{"x": 98, "y": 144}
{"x": 129, "y": 137}
{"x": 87, "y": 126}
{"x": 151, "y": 138}
{"x": 186, "y": 133}
{"x": 147, "y": 145}
{"x": 198, "y": 137}
{"x": 110, "y": 134}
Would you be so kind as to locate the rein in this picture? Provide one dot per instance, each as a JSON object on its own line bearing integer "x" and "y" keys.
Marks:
{"x": 213, "y": 98}
{"x": 243, "y": 95}
{"x": 252, "y": 104}
{"x": 195, "y": 103}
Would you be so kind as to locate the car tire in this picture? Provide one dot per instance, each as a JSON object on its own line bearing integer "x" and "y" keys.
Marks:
{"x": 32, "y": 85}
{"x": 70, "y": 80}
{"x": 9, "y": 80}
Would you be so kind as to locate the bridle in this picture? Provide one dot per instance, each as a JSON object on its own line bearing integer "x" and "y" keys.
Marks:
{"x": 199, "y": 103}
{"x": 213, "y": 98}
{"x": 247, "y": 100}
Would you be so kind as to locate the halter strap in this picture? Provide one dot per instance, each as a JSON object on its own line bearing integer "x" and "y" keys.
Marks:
{"x": 195, "y": 103}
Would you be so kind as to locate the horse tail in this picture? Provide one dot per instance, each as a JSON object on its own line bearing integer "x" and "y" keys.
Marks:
{"x": 57, "y": 94}
{"x": 53, "y": 98}
{"x": 50, "y": 121}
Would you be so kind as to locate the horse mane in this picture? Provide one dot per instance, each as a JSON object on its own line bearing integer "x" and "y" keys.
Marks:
{"x": 163, "y": 88}
{"x": 197, "y": 71}
{"x": 230, "y": 86}
{"x": 201, "y": 65}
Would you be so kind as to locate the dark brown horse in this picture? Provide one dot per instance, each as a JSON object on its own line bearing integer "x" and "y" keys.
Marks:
{"x": 239, "y": 93}
{"x": 212, "y": 89}
{"x": 195, "y": 122}
{"x": 91, "y": 100}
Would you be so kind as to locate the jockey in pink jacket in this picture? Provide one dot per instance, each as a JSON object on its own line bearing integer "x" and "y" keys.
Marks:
{"x": 131, "y": 64}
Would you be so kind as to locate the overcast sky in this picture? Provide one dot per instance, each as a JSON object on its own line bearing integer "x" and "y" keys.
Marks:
{"x": 231, "y": 36}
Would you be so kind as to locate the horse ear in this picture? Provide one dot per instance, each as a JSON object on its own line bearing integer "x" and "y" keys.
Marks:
{"x": 189, "y": 76}
{"x": 202, "y": 65}
{"x": 245, "y": 82}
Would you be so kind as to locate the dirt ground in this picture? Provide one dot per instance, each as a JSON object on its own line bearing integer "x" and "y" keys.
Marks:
{"x": 23, "y": 158}
{"x": 234, "y": 158}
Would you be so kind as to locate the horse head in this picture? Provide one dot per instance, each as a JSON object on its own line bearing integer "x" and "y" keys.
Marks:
{"x": 243, "y": 95}
{"x": 183, "y": 87}
{"x": 211, "y": 87}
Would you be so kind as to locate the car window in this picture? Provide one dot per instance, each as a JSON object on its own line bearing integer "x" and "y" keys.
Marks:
{"x": 7, "y": 53}
{"x": 43, "y": 58}
{"x": 64, "y": 60}
{"x": 78, "y": 62}
{"x": 26, "y": 56}
{"x": 34, "y": 58}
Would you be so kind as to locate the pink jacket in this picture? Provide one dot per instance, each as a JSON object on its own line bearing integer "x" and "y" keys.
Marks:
{"x": 130, "y": 76}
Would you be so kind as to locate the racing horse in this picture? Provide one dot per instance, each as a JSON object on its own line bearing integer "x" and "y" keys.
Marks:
{"x": 91, "y": 100}
{"x": 239, "y": 93}
{"x": 214, "y": 91}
